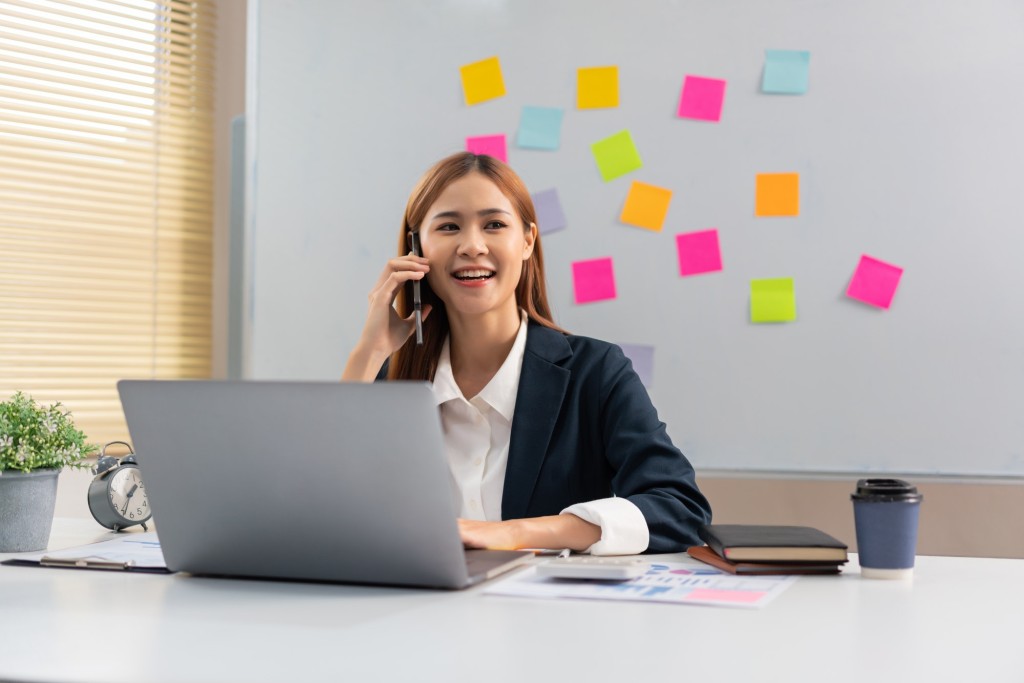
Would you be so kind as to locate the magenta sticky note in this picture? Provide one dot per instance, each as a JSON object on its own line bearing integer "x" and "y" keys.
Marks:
{"x": 874, "y": 282}
{"x": 593, "y": 280}
{"x": 492, "y": 145}
{"x": 701, "y": 98}
{"x": 698, "y": 252}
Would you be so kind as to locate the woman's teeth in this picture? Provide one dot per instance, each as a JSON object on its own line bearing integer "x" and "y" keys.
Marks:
{"x": 474, "y": 275}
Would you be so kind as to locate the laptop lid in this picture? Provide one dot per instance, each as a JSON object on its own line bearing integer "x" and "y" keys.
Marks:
{"x": 340, "y": 482}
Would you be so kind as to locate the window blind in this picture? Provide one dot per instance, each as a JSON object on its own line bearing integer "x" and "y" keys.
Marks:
{"x": 105, "y": 199}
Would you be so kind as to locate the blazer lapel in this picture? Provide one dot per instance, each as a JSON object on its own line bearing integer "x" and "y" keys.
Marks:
{"x": 542, "y": 386}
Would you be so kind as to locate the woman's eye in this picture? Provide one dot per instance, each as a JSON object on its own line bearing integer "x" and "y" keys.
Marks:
{"x": 495, "y": 225}
{"x": 447, "y": 227}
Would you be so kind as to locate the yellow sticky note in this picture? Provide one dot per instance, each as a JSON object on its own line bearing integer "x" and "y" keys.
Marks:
{"x": 482, "y": 81}
{"x": 772, "y": 301}
{"x": 597, "y": 87}
{"x": 778, "y": 194}
{"x": 646, "y": 206}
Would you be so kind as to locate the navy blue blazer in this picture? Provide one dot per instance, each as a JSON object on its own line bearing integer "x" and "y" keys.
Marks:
{"x": 584, "y": 429}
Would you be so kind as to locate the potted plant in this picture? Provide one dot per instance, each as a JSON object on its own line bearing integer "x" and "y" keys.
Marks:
{"x": 36, "y": 443}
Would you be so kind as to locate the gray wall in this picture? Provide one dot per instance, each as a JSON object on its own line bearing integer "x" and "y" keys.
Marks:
{"x": 909, "y": 148}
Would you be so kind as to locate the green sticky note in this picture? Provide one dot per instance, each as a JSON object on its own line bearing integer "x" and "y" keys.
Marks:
{"x": 772, "y": 301}
{"x": 616, "y": 155}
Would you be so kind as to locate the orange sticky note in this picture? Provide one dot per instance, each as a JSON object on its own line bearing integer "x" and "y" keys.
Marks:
{"x": 778, "y": 194}
{"x": 597, "y": 87}
{"x": 646, "y": 206}
{"x": 482, "y": 81}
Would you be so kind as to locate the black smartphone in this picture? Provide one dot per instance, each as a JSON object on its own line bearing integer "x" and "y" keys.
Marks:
{"x": 417, "y": 301}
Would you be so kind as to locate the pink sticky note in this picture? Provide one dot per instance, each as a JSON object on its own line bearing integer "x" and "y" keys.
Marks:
{"x": 874, "y": 282}
{"x": 701, "y": 98}
{"x": 493, "y": 145}
{"x": 593, "y": 280}
{"x": 719, "y": 595}
{"x": 699, "y": 252}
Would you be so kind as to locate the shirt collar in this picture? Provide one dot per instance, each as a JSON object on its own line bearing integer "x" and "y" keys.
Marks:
{"x": 500, "y": 393}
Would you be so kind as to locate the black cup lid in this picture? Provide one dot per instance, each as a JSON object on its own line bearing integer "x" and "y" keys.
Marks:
{"x": 886, "y": 490}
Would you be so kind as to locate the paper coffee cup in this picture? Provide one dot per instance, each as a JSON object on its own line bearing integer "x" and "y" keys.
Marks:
{"x": 885, "y": 513}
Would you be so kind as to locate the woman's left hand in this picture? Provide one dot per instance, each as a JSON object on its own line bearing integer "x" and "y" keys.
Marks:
{"x": 491, "y": 535}
{"x": 555, "y": 531}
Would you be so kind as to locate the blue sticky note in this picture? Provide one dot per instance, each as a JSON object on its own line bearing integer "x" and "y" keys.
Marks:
{"x": 540, "y": 128}
{"x": 550, "y": 216}
{"x": 786, "y": 71}
{"x": 642, "y": 357}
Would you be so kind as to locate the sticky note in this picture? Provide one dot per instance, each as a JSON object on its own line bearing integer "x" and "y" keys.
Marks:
{"x": 701, "y": 98}
{"x": 777, "y": 194}
{"x": 874, "y": 282}
{"x": 550, "y": 216}
{"x": 494, "y": 145}
{"x": 698, "y": 252}
{"x": 646, "y": 206}
{"x": 482, "y": 81}
{"x": 593, "y": 280}
{"x": 540, "y": 128}
{"x": 786, "y": 71}
{"x": 772, "y": 301}
{"x": 597, "y": 87}
{"x": 642, "y": 358}
{"x": 616, "y": 155}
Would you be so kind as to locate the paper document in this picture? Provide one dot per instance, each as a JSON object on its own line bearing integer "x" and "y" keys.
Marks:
{"x": 130, "y": 552}
{"x": 672, "y": 582}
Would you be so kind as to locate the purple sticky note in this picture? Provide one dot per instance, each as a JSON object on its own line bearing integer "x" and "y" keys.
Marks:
{"x": 493, "y": 145}
{"x": 550, "y": 216}
{"x": 874, "y": 282}
{"x": 642, "y": 357}
{"x": 701, "y": 98}
{"x": 699, "y": 252}
{"x": 593, "y": 280}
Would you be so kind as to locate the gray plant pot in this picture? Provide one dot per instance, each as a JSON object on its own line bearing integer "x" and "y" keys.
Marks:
{"x": 27, "y": 502}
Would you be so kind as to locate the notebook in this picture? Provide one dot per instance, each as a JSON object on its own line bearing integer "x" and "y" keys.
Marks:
{"x": 309, "y": 481}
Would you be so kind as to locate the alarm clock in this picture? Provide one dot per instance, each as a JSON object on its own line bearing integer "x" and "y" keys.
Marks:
{"x": 117, "y": 496}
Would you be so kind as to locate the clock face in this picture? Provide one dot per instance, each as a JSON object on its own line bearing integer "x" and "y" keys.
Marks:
{"x": 128, "y": 495}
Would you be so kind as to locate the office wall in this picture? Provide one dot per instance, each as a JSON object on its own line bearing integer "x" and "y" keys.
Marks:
{"x": 908, "y": 144}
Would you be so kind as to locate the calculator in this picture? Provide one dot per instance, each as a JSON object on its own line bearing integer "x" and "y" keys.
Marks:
{"x": 588, "y": 567}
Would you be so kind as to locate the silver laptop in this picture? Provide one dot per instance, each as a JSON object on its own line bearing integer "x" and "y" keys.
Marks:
{"x": 306, "y": 481}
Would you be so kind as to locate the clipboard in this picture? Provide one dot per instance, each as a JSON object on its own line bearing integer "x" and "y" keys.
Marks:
{"x": 129, "y": 553}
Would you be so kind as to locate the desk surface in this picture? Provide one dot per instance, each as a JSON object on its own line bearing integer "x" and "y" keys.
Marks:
{"x": 958, "y": 619}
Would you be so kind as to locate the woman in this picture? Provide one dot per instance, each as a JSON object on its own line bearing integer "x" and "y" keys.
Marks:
{"x": 551, "y": 439}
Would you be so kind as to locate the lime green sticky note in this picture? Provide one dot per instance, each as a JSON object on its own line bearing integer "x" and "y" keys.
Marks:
{"x": 616, "y": 155}
{"x": 772, "y": 301}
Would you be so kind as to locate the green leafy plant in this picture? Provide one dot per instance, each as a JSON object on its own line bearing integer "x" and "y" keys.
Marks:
{"x": 34, "y": 437}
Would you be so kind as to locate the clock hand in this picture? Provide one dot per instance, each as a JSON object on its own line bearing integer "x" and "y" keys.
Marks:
{"x": 129, "y": 499}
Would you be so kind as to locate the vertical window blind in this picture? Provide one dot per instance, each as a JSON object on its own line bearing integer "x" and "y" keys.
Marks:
{"x": 105, "y": 199}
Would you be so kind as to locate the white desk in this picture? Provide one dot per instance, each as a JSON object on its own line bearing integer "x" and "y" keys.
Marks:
{"x": 960, "y": 619}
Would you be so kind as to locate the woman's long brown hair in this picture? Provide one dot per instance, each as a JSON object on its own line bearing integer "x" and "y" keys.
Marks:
{"x": 420, "y": 362}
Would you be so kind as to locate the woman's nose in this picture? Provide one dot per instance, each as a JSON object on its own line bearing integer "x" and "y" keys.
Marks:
{"x": 472, "y": 243}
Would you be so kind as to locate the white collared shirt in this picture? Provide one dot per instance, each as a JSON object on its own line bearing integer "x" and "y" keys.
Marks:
{"x": 477, "y": 434}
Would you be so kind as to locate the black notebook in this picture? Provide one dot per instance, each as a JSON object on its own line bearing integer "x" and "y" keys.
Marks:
{"x": 769, "y": 543}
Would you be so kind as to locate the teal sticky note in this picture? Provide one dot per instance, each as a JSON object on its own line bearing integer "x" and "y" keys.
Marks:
{"x": 786, "y": 71}
{"x": 540, "y": 128}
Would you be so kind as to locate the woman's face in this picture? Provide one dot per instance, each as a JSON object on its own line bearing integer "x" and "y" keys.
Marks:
{"x": 476, "y": 245}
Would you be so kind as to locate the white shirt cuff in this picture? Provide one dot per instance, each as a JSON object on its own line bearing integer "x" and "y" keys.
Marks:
{"x": 623, "y": 527}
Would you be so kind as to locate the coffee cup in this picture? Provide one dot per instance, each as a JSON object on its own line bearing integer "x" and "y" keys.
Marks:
{"x": 885, "y": 513}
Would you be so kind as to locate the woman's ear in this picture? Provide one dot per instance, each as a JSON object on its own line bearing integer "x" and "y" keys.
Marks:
{"x": 531, "y": 238}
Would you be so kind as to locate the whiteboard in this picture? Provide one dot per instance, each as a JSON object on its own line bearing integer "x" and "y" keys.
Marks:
{"x": 909, "y": 145}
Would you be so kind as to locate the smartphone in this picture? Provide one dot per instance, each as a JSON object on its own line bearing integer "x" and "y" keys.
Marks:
{"x": 417, "y": 300}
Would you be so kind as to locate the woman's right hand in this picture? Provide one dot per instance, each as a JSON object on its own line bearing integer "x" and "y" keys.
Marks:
{"x": 385, "y": 330}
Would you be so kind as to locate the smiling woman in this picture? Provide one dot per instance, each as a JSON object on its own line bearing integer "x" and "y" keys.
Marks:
{"x": 551, "y": 438}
